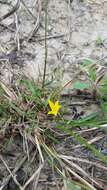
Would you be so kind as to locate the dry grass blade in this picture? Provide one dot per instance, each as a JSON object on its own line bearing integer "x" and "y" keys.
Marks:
{"x": 7, "y": 27}
{"x": 41, "y": 164}
{"x": 13, "y": 177}
{"x": 80, "y": 179}
{"x": 39, "y": 149}
{"x": 25, "y": 144}
{"x": 11, "y": 94}
{"x": 80, "y": 170}
{"x": 12, "y": 11}
{"x": 94, "y": 2}
{"x": 24, "y": 4}
{"x": 17, "y": 38}
{"x": 42, "y": 38}
{"x": 37, "y": 22}
{"x": 36, "y": 173}
{"x": 15, "y": 169}
{"x": 91, "y": 141}
{"x": 84, "y": 161}
{"x": 88, "y": 130}
{"x": 104, "y": 125}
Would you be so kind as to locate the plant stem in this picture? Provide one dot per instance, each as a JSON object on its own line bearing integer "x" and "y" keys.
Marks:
{"x": 46, "y": 49}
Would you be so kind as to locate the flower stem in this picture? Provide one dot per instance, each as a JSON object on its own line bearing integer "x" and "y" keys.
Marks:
{"x": 46, "y": 48}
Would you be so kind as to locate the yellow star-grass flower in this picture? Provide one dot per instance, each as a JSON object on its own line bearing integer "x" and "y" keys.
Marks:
{"x": 54, "y": 107}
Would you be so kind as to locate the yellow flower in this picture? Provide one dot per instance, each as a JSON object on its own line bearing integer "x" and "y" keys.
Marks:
{"x": 54, "y": 107}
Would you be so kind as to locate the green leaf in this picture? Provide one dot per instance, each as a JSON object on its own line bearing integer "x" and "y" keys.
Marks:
{"x": 81, "y": 85}
{"x": 30, "y": 85}
{"x": 92, "y": 73}
{"x": 85, "y": 120}
{"x": 104, "y": 80}
{"x": 18, "y": 110}
{"x": 71, "y": 186}
{"x": 87, "y": 62}
{"x": 99, "y": 41}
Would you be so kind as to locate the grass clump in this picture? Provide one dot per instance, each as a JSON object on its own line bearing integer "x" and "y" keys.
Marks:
{"x": 27, "y": 105}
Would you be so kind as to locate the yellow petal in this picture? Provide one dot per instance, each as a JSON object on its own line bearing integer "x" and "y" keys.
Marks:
{"x": 50, "y": 112}
{"x": 51, "y": 104}
{"x": 54, "y": 107}
{"x": 57, "y": 105}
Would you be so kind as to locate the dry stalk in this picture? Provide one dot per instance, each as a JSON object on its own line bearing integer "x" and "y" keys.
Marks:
{"x": 13, "y": 176}
{"x": 80, "y": 170}
{"x": 37, "y": 22}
